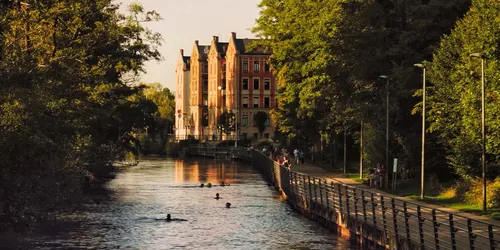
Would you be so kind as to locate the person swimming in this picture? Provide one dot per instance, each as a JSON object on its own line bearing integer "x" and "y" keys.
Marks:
{"x": 202, "y": 185}
{"x": 228, "y": 205}
{"x": 209, "y": 184}
{"x": 169, "y": 218}
{"x": 222, "y": 183}
{"x": 217, "y": 196}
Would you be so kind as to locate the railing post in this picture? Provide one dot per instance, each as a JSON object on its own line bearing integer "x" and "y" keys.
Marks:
{"x": 373, "y": 210}
{"x": 333, "y": 194}
{"x": 310, "y": 192}
{"x": 452, "y": 232}
{"x": 347, "y": 205}
{"x": 342, "y": 215}
{"x": 395, "y": 221}
{"x": 355, "y": 200}
{"x": 315, "y": 193}
{"x": 435, "y": 226}
{"x": 420, "y": 227}
{"x": 320, "y": 191}
{"x": 471, "y": 234}
{"x": 364, "y": 205}
{"x": 407, "y": 218}
{"x": 490, "y": 236}
{"x": 326, "y": 196}
{"x": 384, "y": 219}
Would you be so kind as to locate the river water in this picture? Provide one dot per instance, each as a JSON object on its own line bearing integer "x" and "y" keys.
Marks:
{"x": 130, "y": 215}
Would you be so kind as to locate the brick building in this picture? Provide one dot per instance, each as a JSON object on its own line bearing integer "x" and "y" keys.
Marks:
{"x": 232, "y": 77}
{"x": 182, "y": 110}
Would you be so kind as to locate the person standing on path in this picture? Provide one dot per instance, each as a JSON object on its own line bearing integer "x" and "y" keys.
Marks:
{"x": 296, "y": 154}
{"x": 302, "y": 156}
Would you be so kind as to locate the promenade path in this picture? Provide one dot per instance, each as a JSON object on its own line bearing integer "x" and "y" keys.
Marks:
{"x": 434, "y": 235}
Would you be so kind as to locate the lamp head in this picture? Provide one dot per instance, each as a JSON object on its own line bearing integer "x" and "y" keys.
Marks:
{"x": 384, "y": 77}
{"x": 420, "y": 65}
{"x": 219, "y": 87}
{"x": 479, "y": 55}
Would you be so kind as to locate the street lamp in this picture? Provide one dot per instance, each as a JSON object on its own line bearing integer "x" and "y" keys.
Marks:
{"x": 422, "y": 178}
{"x": 483, "y": 137}
{"x": 386, "y": 131}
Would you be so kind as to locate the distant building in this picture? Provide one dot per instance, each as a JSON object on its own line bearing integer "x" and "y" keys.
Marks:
{"x": 229, "y": 77}
{"x": 182, "y": 110}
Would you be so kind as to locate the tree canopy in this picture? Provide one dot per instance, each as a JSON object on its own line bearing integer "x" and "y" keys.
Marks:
{"x": 67, "y": 70}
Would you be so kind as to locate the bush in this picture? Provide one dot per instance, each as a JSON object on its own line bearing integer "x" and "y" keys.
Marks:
{"x": 471, "y": 191}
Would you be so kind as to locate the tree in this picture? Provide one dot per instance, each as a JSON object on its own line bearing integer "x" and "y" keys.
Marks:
{"x": 260, "y": 119}
{"x": 455, "y": 93}
{"x": 66, "y": 69}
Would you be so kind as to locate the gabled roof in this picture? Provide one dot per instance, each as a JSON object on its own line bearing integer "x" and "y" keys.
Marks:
{"x": 187, "y": 61}
{"x": 203, "y": 50}
{"x": 222, "y": 48}
{"x": 244, "y": 46}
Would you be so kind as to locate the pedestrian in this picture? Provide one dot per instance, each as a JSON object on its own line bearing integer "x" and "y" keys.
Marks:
{"x": 286, "y": 163}
{"x": 302, "y": 156}
{"x": 296, "y": 155}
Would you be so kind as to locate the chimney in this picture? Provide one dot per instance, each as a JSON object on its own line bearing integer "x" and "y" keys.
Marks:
{"x": 216, "y": 39}
{"x": 182, "y": 52}
{"x": 233, "y": 35}
{"x": 196, "y": 42}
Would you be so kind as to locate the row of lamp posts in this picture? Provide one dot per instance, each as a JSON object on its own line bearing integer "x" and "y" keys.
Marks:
{"x": 483, "y": 138}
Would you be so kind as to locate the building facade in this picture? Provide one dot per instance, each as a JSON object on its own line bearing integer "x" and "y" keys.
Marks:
{"x": 231, "y": 77}
{"x": 198, "y": 98}
{"x": 182, "y": 110}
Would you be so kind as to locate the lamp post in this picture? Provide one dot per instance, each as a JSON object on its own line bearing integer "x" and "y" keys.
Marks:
{"x": 483, "y": 137}
{"x": 386, "y": 131}
{"x": 422, "y": 178}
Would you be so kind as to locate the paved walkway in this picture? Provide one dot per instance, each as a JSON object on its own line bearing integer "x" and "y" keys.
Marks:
{"x": 318, "y": 172}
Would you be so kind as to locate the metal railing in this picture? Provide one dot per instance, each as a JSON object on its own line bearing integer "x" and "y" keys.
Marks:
{"x": 396, "y": 223}
{"x": 221, "y": 152}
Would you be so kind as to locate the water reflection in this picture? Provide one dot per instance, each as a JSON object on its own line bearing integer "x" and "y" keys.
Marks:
{"x": 132, "y": 215}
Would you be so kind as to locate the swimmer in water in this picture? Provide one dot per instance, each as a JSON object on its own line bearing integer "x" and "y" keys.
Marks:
{"x": 169, "y": 218}
{"x": 228, "y": 205}
{"x": 209, "y": 184}
{"x": 202, "y": 185}
{"x": 222, "y": 183}
{"x": 217, "y": 196}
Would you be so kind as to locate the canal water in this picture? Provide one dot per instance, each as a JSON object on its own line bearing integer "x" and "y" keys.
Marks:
{"x": 130, "y": 215}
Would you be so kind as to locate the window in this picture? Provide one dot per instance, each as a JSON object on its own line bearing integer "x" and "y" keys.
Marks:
{"x": 267, "y": 84}
{"x": 245, "y": 83}
{"x": 205, "y": 84}
{"x": 256, "y": 66}
{"x": 255, "y": 101}
{"x": 255, "y": 136}
{"x": 244, "y": 121}
{"x": 266, "y": 67}
{"x": 266, "y": 135}
{"x": 267, "y": 122}
{"x": 205, "y": 68}
{"x": 245, "y": 102}
{"x": 256, "y": 83}
{"x": 245, "y": 66}
{"x": 266, "y": 102}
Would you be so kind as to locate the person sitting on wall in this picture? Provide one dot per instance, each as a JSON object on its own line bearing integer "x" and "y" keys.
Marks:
{"x": 209, "y": 185}
{"x": 228, "y": 205}
{"x": 202, "y": 185}
{"x": 217, "y": 196}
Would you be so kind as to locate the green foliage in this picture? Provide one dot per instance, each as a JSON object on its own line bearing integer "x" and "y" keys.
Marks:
{"x": 328, "y": 56}
{"x": 66, "y": 108}
{"x": 154, "y": 138}
{"x": 260, "y": 120}
{"x": 455, "y": 93}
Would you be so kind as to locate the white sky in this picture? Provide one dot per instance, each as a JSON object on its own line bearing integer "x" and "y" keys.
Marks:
{"x": 187, "y": 20}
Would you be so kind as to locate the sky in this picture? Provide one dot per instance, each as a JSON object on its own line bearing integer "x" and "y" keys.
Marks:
{"x": 185, "y": 21}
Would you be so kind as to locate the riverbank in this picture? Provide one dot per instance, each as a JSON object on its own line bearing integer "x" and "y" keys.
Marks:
{"x": 404, "y": 193}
